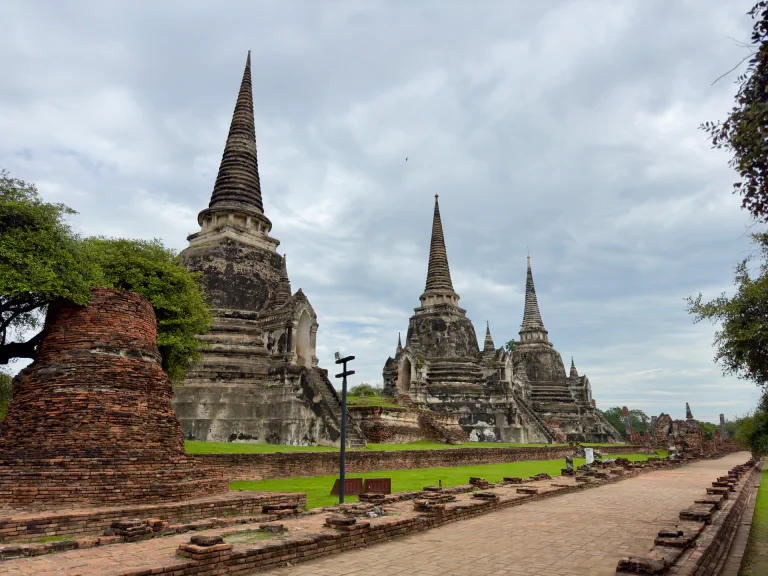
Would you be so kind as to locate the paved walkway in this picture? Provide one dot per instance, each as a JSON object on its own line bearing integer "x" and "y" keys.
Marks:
{"x": 577, "y": 534}
{"x": 583, "y": 533}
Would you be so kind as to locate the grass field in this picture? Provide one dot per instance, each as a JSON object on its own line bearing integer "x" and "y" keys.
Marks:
{"x": 756, "y": 556}
{"x": 194, "y": 447}
{"x": 369, "y": 401}
{"x": 318, "y": 488}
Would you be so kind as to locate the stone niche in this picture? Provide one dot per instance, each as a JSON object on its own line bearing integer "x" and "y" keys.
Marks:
{"x": 91, "y": 419}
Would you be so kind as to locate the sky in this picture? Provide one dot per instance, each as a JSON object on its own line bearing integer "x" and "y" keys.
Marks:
{"x": 567, "y": 130}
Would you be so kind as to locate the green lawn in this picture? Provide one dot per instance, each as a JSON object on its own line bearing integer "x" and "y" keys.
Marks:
{"x": 756, "y": 556}
{"x": 368, "y": 401}
{"x": 318, "y": 488}
{"x": 194, "y": 447}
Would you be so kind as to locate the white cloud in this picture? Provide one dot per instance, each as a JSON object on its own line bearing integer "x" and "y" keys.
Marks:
{"x": 568, "y": 128}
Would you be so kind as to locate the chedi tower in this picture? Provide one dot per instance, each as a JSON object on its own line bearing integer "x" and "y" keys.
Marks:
{"x": 442, "y": 368}
{"x": 259, "y": 379}
{"x": 91, "y": 419}
{"x": 522, "y": 396}
{"x": 563, "y": 401}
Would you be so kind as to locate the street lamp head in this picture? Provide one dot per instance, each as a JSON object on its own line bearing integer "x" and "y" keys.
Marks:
{"x": 338, "y": 355}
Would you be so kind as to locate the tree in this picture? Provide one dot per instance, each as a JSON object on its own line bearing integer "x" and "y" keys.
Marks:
{"x": 510, "y": 346}
{"x": 151, "y": 270}
{"x": 707, "y": 429}
{"x": 752, "y": 429}
{"x": 615, "y": 417}
{"x": 42, "y": 260}
{"x": 365, "y": 390}
{"x": 745, "y": 130}
{"x": 741, "y": 344}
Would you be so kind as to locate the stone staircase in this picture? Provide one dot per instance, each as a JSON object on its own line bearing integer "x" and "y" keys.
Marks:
{"x": 525, "y": 409}
{"x": 453, "y": 371}
{"x": 233, "y": 353}
{"x": 551, "y": 396}
{"x": 322, "y": 386}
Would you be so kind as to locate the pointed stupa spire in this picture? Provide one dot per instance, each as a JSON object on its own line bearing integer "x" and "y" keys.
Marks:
{"x": 488, "y": 346}
{"x": 532, "y": 328}
{"x": 574, "y": 373}
{"x": 237, "y": 185}
{"x": 284, "y": 285}
{"x": 399, "y": 344}
{"x": 438, "y": 273}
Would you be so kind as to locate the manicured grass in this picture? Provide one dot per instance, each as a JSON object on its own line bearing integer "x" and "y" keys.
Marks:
{"x": 194, "y": 447}
{"x": 756, "y": 556}
{"x": 318, "y": 488}
{"x": 371, "y": 401}
{"x": 429, "y": 445}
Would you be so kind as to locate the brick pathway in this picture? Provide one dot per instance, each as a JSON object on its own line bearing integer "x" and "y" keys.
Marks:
{"x": 578, "y": 534}
{"x": 581, "y": 533}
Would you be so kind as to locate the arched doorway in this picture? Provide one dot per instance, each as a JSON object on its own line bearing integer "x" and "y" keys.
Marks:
{"x": 404, "y": 376}
{"x": 303, "y": 348}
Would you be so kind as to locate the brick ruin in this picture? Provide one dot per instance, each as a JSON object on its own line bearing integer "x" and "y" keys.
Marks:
{"x": 523, "y": 396}
{"x": 91, "y": 420}
{"x": 684, "y": 435}
{"x": 259, "y": 379}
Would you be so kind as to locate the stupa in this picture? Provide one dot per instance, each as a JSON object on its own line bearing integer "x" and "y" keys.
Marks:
{"x": 259, "y": 379}
{"x": 522, "y": 396}
{"x": 91, "y": 419}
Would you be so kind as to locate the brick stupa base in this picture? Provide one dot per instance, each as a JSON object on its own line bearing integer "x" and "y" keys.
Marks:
{"x": 91, "y": 419}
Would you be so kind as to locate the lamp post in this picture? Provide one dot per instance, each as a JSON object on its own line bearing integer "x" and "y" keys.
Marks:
{"x": 343, "y": 375}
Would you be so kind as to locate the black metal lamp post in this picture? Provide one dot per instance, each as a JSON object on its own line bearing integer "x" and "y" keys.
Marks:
{"x": 343, "y": 376}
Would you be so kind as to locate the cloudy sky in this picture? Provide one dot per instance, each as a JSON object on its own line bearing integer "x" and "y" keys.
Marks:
{"x": 567, "y": 128}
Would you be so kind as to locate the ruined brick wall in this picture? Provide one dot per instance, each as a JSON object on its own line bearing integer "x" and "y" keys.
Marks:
{"x": 387, "y": 425}
{"x": 91, "y": 418}
{"x": 302, "y": 464}
{"x": 96, "y": 388}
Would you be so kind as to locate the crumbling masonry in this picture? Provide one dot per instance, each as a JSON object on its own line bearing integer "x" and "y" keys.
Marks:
{"x": 523, "y": 396}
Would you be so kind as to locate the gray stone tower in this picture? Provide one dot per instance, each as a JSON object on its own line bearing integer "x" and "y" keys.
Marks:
{"x": 258, "y": 380}
{"x": 442, "y": 368}
{"x": 563, "y": 401}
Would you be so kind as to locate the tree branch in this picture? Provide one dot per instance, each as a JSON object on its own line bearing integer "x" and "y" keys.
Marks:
{"x": 26, "y": 349}
{"x": 734, "y": 68}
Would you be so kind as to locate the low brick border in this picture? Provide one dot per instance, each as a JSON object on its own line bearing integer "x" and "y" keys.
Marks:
{"x": 698, "y": 545}
{"x": 92, "y": 522}
{"x": 276, "y": 465}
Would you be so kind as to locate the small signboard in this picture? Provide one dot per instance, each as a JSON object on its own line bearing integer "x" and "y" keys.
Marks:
{"x": 352, "y": 487}
{"x": 378, "y": 485}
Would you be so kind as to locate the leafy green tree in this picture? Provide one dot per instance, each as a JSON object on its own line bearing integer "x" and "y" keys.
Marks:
{"x": 150, "y": 269}
{"x": 752, "y": 429}
{"x": 510, "y": 346}
{"x": 42, "y": 260}
{"x": 741, "y": 344}
{"x": 364, "y": 389}
{"x": 744, "y": 131}
{"x": 615, "y": 417}
{"x": 707, "y": 429}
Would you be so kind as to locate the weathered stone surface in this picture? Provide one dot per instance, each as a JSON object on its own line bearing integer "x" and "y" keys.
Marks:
{"x": 259, "y": 379}
{"x": 524, "y": 396}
